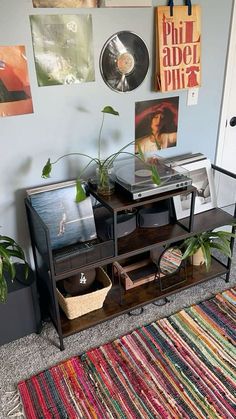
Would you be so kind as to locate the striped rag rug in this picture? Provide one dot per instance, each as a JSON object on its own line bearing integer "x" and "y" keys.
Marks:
{"x": 183, "y": 366}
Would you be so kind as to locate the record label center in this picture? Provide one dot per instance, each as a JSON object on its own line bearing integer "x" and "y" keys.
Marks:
{"x": 125, "y": 63}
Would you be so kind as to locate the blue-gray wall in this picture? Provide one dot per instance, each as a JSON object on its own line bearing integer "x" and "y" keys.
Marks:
{"x": 67, "y": 118}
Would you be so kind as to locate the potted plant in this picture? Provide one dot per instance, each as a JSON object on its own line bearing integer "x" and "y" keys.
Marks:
{"x": 103, "y": 165}
{"x": 200, "y": 245}
{"x": 9, "y": 249}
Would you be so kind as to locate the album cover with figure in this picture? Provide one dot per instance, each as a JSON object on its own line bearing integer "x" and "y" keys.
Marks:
{"x": 156, "y": 125}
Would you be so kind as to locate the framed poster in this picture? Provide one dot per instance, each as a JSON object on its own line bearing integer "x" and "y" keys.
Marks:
{"x": 65, "y": 3}
{"x": 68, "y": 222}
{"x": 202, "y": 178}
{"x": 178, "y": 48}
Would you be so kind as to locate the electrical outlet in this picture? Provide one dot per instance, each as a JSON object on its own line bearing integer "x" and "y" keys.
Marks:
{"x": 193, "y": 96}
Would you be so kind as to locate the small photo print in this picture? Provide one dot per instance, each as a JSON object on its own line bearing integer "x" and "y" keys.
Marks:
{"x": 156, "y": 124}
{"x": 202, "y": 178}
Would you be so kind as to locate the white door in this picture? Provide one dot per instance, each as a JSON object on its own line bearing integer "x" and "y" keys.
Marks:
{"x": 226, "y": 151}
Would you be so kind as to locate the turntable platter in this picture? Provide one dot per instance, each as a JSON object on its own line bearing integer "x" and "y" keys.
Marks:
{"x": 143, "y": 173}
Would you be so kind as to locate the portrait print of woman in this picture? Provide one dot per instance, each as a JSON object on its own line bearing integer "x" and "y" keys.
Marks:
{"x": 156, "y": 124}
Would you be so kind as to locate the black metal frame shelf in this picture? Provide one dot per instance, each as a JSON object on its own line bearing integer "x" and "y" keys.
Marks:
{"x": 136, "y": 243}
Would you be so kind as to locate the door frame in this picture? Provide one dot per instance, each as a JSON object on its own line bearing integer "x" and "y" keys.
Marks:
{"x": 227, "y": 87}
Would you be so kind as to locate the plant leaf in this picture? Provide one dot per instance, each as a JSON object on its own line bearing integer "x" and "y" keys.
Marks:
{"x": 80, "y": 193}
{"x": 26, "y": 270}
{"x": 192, "y": 245}
{"x": 206, "y": 254}
{"x": 158, "y": 145}
{"x": 8, "y": 265}
{"x": 140, "y": 152}
{"x": 7, "y": 239}
{"x": 47, "y": 170}
{"x": 3, "y": 287}
{"x": 223, "y": 234}
{"x": 155, "y": 175}
{"x": 110, "y": 110}
{"x": 223, "y": 248}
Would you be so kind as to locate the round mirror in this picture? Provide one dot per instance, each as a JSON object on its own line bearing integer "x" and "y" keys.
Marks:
{"x": 170, "y": 261}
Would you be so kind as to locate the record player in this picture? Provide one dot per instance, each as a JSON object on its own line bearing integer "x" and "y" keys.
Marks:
{"x": 134, "y": 176}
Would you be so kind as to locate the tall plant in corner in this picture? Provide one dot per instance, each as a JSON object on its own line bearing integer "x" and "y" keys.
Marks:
{"x": 9, "y": 250}
{"x": 103, "y": 165}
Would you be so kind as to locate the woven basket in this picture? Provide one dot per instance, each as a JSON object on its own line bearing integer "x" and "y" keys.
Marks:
{"x": 81, "y": 304}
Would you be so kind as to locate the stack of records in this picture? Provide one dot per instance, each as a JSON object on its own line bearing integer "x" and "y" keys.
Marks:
{"x": 182, "y": 159}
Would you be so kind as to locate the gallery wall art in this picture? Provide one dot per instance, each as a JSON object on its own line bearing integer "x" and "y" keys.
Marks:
{"x": 125, "y": 3}
{"x": 124, "y": 61}
{"x": 91, "y": 3}
{"x": 156, "y": 124}
{"x": 178, "y": 48}
{"x": 63, "y": 49}
{"x": 15, "y": 93}
{"x": 65, "y": 3}
{"x": 202, "y": 179}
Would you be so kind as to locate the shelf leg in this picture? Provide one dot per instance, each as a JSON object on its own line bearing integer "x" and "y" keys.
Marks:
{"x": 62, "y": 347}
{"x": 135, "y": 312}
{"x": 162, "y": 302}
{"x": 229, "y": 263}
{"x": 115, "y": 233}
{"x": 191, "y": 218}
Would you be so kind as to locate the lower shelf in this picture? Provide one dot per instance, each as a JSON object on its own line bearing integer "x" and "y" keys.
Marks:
{"x": 137, "y": 297}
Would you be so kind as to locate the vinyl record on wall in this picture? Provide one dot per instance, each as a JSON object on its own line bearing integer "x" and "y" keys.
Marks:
{"x": 124, "y": 61}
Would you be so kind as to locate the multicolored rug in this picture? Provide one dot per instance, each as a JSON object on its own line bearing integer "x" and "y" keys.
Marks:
{"x": 183, "y": 366}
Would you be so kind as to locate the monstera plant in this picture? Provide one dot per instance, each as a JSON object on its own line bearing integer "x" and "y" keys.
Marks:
{"x": 9, "y": 250}
{"x": 103, "y": 165}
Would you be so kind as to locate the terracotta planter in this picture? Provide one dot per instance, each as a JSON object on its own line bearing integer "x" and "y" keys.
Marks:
{"x": 198, "y": 259}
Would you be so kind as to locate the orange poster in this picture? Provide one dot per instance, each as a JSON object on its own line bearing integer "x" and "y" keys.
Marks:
{"x": 15, "y": 95}
{"x": 178, "y": 36}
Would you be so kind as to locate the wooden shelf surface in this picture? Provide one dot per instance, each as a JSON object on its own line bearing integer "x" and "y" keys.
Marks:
{"x": 122, "y": 201}
{"x": 138, "y": 297}
{"x": 143, "y": 239}
{"x": 208, "y": 220}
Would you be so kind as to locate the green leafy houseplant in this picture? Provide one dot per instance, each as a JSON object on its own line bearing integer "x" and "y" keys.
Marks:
{"x": 103, "y": 165}
{"x": 9, "y": 249}
{"x": 206, "y": 241}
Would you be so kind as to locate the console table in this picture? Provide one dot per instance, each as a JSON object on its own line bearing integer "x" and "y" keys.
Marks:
{"x": 50, "y": 271}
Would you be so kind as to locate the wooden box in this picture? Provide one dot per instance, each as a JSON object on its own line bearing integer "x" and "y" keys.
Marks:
{"x": 135, "y": 274}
